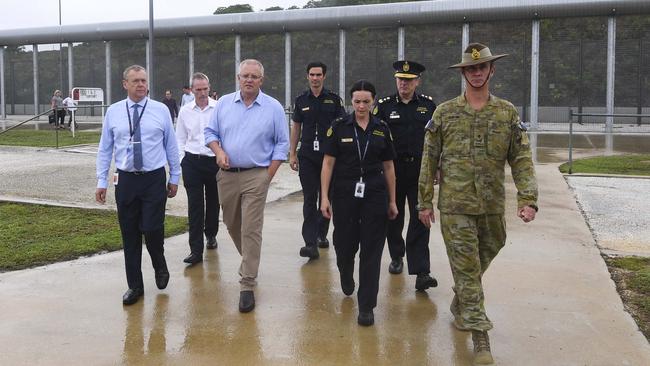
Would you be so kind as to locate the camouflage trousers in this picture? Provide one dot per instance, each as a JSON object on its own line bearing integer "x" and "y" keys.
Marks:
{"x": 472, "y": 242}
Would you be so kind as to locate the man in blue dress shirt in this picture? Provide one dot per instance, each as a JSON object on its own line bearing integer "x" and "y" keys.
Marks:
{"x": 249, "y": 135}
{"x": 141, "y": 133}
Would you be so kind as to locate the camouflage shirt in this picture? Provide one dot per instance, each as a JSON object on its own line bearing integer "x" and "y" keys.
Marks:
{"x": 471, "y": 148}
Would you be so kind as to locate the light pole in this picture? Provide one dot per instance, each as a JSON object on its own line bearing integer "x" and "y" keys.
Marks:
{"x": 150, "y": 67}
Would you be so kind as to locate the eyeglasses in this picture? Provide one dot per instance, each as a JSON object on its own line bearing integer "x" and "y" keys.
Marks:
{"x": 252, "y": 77}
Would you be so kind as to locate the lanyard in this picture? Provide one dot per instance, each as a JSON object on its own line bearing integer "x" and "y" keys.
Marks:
{"x": 365, "y": 150}
{"x": 131, "y": 130}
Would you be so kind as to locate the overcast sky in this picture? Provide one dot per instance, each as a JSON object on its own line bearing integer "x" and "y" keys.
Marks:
{"x": 41, "y": 13}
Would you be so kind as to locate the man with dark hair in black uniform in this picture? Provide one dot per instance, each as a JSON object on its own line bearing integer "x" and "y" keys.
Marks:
{"x": 407, "y": 113}
{"x": 315, "y": 109}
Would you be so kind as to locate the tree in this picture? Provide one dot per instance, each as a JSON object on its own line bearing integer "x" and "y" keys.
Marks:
{"x": 274, "y": 8}
{"x": 232, "y": 9}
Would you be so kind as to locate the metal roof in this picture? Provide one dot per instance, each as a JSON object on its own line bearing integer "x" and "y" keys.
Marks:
{"x": 380, "y": 15}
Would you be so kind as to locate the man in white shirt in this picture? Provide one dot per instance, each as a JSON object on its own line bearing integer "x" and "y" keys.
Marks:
{"x": 70, "y": 106}
{"x": 199, "y": 169}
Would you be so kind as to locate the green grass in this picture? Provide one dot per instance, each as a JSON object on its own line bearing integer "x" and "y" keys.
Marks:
{"x": 47, "y": 138}
{"x": 32, "y": 235}
{"x": 635, "y": 280}
{"x": 617, "y": 164}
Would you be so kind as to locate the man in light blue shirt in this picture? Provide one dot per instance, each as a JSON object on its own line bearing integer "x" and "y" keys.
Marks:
{"x": 139, "y": 131}
{"x": 249, "y": 135}
{"x": 187, "y": 95}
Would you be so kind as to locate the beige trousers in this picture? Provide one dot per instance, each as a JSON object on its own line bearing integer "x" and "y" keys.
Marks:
{"x": 243, "y": 198}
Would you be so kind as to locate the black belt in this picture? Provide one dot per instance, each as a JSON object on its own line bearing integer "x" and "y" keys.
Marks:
{"x": 195, "y": 156}
{"x": 140, "y": 172}
{"x": 237, "y": 170}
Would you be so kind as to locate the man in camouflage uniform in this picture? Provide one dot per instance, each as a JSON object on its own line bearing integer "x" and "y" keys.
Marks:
{"x": 469, "y": 139}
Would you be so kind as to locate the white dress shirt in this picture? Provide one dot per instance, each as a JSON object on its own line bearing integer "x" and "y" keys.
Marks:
{"x": 191, "y": 122}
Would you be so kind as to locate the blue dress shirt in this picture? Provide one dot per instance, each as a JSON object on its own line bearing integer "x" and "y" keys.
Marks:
{"x": 252, "y": 136}
{"x": 157, "y": 135}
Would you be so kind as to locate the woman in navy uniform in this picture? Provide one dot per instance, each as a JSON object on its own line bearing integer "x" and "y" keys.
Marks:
{"x": 358, "y": 163}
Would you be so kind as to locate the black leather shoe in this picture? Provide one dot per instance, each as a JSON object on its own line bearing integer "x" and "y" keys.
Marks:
{"x": 347, "y": 284}
{"x": 132, "y": 295}
{"x": 211, "y": 243}
{"x": 162, "y": 279}
{"x": 193, "y": 259}
{"x": 323, "y": 242}
{"x": 246, "y": 301}
{"x": 309, "y": 251}
{"x": 424, "y": 281}
{"x": 366, "y": 318}
{"x": 396, "y": 266}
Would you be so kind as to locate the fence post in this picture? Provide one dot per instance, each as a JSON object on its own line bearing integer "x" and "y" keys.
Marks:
{"x": 570, "y": 141}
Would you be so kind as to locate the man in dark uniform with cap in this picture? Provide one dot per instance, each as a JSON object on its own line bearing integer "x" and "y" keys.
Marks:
{"x": 315, "y": 109}
{"x": 407, "y": 113}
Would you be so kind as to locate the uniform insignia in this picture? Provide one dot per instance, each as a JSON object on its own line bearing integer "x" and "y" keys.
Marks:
{"x": 522, "y": 126}
{"x": 378, "y": 133}
{"x": 394, "y": 116}
{"x": 406, "y": 66}
{"x": 330, "y": 132}
{"x": 305, "y": 109}
{"x": 347, "y": 139}
{"x": 422, "y": 109}
{"x": 429, "y": 125}
{"x": 374, "y": 111}
{"x": 475, "y": 54}
{"x": 328, "y": 101}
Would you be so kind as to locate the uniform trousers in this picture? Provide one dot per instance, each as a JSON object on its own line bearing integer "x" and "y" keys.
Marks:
{"x": 472, "y": 242}
{"x": 416, "y": 247}
{"x": 141, "y": 199}
{"x": 361, "y": 223}
{"x": 243, "y": 198}
{"x": 314, "y": 225}
{"x": 200, "y": 181}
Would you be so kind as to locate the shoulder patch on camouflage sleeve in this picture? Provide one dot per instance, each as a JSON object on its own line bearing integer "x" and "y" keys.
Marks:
{"x": 430, "y": 126}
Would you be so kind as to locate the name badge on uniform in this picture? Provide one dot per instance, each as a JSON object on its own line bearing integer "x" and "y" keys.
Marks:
{"x": 116, "y": 178}
{"x": 316, "y": 145}
{"x": 347, "y": 139}
{"x": 394, "y": 116}
{"x": 359, "y": 188}
{"x": 305, "y": 109}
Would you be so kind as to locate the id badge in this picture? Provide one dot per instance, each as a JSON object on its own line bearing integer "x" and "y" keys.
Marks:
{"x": 116, "y": 178}
{"x": 359, "y": 189}
{"x": 316, "y": 145}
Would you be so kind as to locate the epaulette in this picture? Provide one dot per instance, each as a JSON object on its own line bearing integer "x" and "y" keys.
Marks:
{"x": 338, "y": 120}
{"x": 385, "y": 99}
{"x": 427, "y": 97}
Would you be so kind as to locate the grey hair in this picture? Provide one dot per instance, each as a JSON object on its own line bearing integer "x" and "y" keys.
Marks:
{"x": 126, "y": 72}
{"x": 251, "y": 61}
{"x": 199, "y": 76}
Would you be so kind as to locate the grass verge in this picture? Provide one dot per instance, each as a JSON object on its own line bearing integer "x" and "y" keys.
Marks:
{"x": 33, "y": 235}
{"x": 632, "y": 278}
{"x": 636, "y": 164}
{"x": 47, "y": 138}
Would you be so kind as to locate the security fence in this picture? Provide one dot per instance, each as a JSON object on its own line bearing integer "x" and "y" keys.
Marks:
{"x": 589, "y": 56}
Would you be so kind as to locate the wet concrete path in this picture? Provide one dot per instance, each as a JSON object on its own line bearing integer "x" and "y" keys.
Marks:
{"x": 548, "y": 293}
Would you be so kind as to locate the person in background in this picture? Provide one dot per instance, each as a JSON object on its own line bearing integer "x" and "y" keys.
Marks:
{"x": 70, "y": 106}
{"x": 358, "y": 164}
{"x": 171, "y": 104}
{"x": 187, "y": 95}
{"x": 56, "y": 103}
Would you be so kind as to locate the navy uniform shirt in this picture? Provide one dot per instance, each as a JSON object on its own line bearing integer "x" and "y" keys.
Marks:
{"x": 341, "y": 143}
{"x": 316, "y": 115}
{"x": 406, "y": 121}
